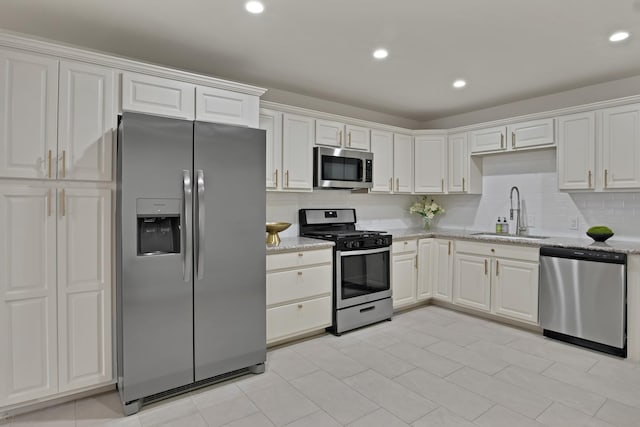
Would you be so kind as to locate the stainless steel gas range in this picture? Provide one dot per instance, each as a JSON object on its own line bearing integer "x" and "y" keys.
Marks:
{"x": 361, "y": 264}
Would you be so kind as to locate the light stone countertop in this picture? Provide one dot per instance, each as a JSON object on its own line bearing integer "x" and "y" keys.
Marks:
{"x": 293, "y": 244}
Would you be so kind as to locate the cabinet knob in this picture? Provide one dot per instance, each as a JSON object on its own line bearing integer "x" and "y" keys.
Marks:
{"x": 299, "y": 273}
{"x": 299, "y": 305}
{"x": 300, "y": 254}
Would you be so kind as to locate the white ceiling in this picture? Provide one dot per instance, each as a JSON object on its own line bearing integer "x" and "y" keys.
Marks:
{"x": 507, "y": 50}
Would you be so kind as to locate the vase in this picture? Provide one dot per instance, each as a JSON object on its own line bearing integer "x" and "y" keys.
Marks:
{"x": 427, "y": 223}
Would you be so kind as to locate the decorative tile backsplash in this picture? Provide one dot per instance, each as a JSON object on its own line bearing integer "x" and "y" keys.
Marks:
{"x": 546, "y": 210}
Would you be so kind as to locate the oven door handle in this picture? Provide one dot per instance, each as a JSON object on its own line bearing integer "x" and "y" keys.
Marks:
{"x": 363, "y": 252}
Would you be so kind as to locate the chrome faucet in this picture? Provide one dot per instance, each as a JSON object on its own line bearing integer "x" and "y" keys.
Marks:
{"x": 519, "y": 227}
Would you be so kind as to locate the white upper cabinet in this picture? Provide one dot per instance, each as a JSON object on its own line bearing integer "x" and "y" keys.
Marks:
{"x": 225, "y": 106}
{"x": 621, "y": 147}
{"x": 533, "y": 133}
{"x": 382, "y": 149}
{"x": 465, "y": 172}
{"x": 357, "y": 137}
{"x": 329, "y": 133}
{"x": 297, "y": 153}
{"x": 402, "y": 163}
{"x": 28, "y": 325}
{"x": 430, "y": 163}
{"x": 157, "y": 95}
{"x": 86, "y": 122}
{"x": 28, "y": 115}
{"x": 271, "y": 122}
{"x": 488, "y": 140}
{"x": 576, "y": 151}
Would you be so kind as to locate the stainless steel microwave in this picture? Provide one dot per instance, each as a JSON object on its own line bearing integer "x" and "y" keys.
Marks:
{"x": 338, "y": 168}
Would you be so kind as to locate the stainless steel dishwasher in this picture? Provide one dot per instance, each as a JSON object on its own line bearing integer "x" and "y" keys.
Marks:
{"x": 582, "y": 298}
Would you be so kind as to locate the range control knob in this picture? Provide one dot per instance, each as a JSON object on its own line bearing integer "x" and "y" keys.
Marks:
{"x": 357, "y": 244}
{"x": 348, "y": 244}
{"x": 380, "y": 241}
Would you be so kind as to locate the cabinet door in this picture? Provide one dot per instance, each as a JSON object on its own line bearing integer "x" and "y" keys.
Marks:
{"x": 402, "y": 163}
{"x": 297, "y": 153}
{"x": 430, "y": 164}
{"x": 515, "y": 292}
{"x": 86, "y": 122}
{"x": 442, "y": 269}
{"x": 471, "y": 281}
{"x": 28, "y": 326}
{"x": 425, "y": 270}
{"x": 329, "y": 133}
{"x": 531, "y": 134}
{"x": 84, "y": 287}
{"x": 458, "y": 181}
{"x": 488, "y": 140}
{"x": 576, "y": 151}
{"x": 224, "y": 106}
{"x": 271, "y": 122}
{"x": 382, "y": 149}
{"x": 28, "y": 115}
{"x": 621, "y": 147}
{"x": 404, "y": 279}
{"x": 357, "y": 137}
{"x": 155, "y": 95}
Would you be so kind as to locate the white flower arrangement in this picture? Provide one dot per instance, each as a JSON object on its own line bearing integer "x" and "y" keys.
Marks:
{"x": 426, "y": 208}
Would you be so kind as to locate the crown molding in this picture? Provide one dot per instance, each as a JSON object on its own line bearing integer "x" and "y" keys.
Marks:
{"x": 19, "y": 41}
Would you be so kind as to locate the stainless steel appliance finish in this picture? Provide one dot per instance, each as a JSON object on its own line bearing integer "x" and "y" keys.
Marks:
{"x": 190, "y": 254}
{"x": 340, "y": 168}
{"x": 583, "y": 298}
{"x": 362, "y": 272}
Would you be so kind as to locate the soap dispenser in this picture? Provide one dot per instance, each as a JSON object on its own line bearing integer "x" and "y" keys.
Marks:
{"x": 498, "y": 226}
{"x": 505, "y": 225}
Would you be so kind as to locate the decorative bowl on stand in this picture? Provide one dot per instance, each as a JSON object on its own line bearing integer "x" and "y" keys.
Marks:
{"x": 599, "y": 237}
{"x": 273, "y": 228}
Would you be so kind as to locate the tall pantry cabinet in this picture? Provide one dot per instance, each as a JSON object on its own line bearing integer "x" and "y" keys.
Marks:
{"x": 58, "y": 121}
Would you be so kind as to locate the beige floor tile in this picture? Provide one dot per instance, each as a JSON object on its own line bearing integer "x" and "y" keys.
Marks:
{"x": 379, "y": 418}
{"x": 476, "y": 328}
{"x": 468, "y": 357}
{"x": 194, "y": 420}
{"x": 57, "y": 416}
{"x": 442, "y": 417}
{"x": 216, "y": 394}
{"x": 499, "y": 416}
{"x": 290, "y": 364}
{"x": 330, "y": 359}
{"x": 255, "y": 420}
{"x": 511, "y": 356}
{"x": 619, "y": 414}
{"x": 282, "y": 404}
{"x": 228, "y": 411}
{"x": 164, "y": 412}
{"x": 457, "y": 399}
{"x": 558, "y": 415}
{"x": 378, "y": 360}
{"x": 522, "y": 401}
{"x": 424, "y": 359}
{"x": 563, "y": 353}
{"x": 335, "y": 397}
{"x": 98, "y": 410}
{"x": 444, "y": 333}
{"x": 317, "y": 419}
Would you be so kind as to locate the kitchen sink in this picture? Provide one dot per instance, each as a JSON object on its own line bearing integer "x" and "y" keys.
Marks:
{"x": 509, "y": 236}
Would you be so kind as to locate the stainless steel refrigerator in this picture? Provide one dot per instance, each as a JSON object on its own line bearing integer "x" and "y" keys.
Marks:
{"x": 190, "y": 255}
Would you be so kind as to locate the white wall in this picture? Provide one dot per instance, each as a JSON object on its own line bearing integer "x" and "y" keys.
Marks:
{"x": 549, "y": 209}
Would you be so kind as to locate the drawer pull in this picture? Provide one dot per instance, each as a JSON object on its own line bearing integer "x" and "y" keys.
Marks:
{"x": 299, "y": 273}
{"x": 300, "y": 254}
{"x": 486, "y": 268}
{"x": 363, "y": 310}
{"x": 449, "y": 252}
{"x": 299, "y": 305}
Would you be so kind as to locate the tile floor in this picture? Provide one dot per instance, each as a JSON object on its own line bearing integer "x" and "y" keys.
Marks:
{"x": 428, "y": 367}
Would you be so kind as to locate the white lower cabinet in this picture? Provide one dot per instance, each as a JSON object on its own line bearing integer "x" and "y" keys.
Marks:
{"x": 442, "y": 266}
{"x": 500, "y": 279}
{"x": 404, "y": 272}
{"x": 55, "y": 283}
{"x": 299, "y": 293}
{"x": 425, "y": 269}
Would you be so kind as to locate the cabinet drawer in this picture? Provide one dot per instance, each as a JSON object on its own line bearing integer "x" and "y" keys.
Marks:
{"x": 298, "y": 284}
{"x": 299, "y": 259}
{"x": 155, "y": 95}
{"x": 298, "y": 318}
{"x": 525, "y": 253}
{"x": 404, "y": 246}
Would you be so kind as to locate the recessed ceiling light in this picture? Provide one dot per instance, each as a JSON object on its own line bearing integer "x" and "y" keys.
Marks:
{"x": 458, "y": 84}
{"x": 254, "y": 7}
{"x": 618, "y": 36}
{"x": 380, "y": 53}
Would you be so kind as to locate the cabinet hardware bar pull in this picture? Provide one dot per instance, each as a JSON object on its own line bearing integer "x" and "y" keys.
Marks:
{"x": 49, "y": 202}
{"x": 64, "y": 163}
{"x": 276, "y": 179}
{"x": 340, "y": 138}
{"x": 63, "y": 208}
{"x": 442, "y": 185}
{"x": 185, "y": 232}
{"x": 449, "y": 252}
{"x": 299, "y": 273}
{"x": 606, "y": 176}
{"x": 349, "y": 139}
{"x": 497, "y": 266}
{"x": 397, "y": 184}
{"x": 501, "y": 140}
{"x": 286, "y": 178}
{"x": 513, "y": 140}
{"x": 415, "y": 262}
{"x": 463, "y": 183}
{"x": 486, "y": 268}
{"x": 390, "y": 184}
{"x": 49, "y": 163}
{"x": 200, "y": 223}
{"x": 589, "y": 180}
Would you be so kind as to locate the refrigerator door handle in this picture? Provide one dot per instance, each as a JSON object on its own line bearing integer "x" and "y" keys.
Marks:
{"x": 200, "y": 224}
{"x": 185, "y": 230}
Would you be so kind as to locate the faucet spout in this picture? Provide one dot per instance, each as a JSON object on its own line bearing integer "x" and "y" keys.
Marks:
{"x": 519, "y": 227}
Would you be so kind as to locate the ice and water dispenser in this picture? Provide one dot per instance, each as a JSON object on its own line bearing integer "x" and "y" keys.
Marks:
{"x": 158, "y": 230}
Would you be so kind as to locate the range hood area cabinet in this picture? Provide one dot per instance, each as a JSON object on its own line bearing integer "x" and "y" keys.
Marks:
{"x": 517, "y": 136}
{"x": 600, "y": 161}
{"x": 339, "y": 135}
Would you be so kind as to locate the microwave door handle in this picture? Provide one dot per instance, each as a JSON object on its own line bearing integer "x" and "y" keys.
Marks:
{"x": 186, "y": 228}
{"x": 200, "y": 224}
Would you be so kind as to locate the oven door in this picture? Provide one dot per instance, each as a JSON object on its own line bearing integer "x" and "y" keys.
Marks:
{"x": 362, "y": 276}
